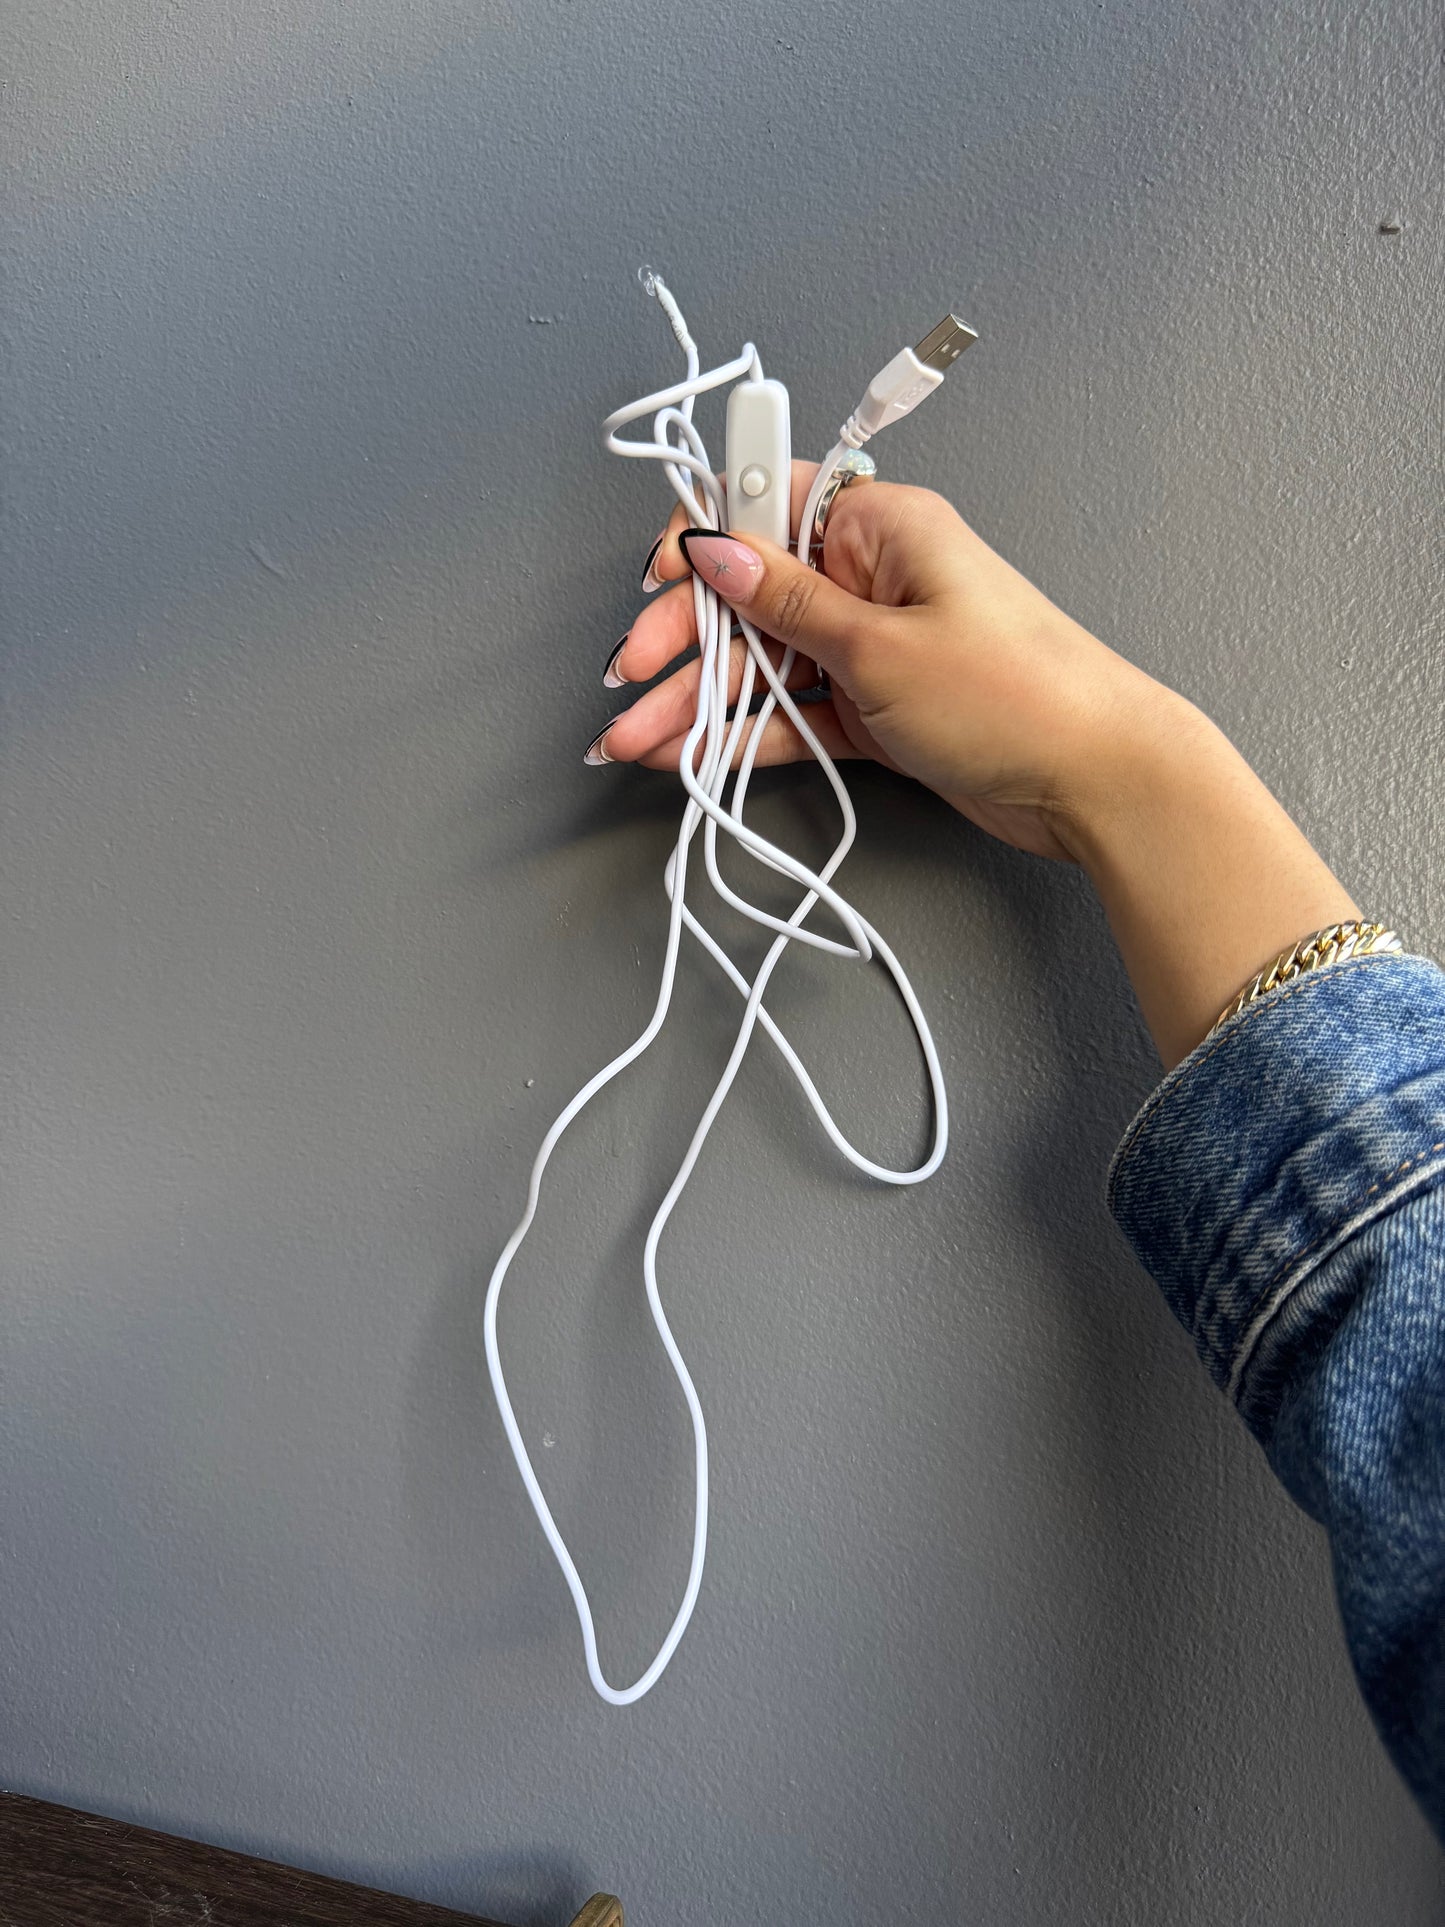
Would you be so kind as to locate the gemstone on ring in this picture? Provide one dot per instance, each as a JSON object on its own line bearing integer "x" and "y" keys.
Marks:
{"x": 855, "y": 466}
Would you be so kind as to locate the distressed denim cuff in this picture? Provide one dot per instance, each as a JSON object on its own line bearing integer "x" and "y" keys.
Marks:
{"x": 1314, "y": 1110}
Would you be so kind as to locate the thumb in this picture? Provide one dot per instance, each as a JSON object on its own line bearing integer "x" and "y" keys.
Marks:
{"x": 781, "y": 595}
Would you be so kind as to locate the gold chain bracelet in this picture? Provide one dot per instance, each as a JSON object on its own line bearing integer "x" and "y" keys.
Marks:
{"x": 1331, "y": 945}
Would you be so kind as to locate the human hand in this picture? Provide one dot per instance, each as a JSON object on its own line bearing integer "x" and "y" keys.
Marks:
{"x": 943, "y": 662}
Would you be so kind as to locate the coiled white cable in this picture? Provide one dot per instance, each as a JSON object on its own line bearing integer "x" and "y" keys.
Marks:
{"x": 704, "y": 766}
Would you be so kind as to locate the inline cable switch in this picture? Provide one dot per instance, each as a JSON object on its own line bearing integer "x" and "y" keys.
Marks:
{"x": 759, "y": 460}
{"x": 720, "y": 747}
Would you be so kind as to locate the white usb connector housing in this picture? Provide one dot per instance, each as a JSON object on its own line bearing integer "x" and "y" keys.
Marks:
{"x": 720, "y": 748}
{"x": 895, "y": 391}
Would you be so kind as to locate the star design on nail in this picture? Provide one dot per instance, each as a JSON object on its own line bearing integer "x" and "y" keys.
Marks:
{"x": 720, "y": 569}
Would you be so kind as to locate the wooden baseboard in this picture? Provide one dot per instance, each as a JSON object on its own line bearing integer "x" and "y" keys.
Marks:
{"x": 60, "y": 1868}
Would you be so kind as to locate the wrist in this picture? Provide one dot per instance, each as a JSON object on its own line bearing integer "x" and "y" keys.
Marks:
{"x": 1135, "y": 744}
{"x": 1202, "y": 873}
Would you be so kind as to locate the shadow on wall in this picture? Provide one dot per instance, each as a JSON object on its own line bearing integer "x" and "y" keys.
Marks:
{"x": 492, "y": 1586}
{"x": 490, "y": 1578}
{"x": 292, "y": 334}
{"x": 287, "y": 341}
{"x": 287, "y": 345}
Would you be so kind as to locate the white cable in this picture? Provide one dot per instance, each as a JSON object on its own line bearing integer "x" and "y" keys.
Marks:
{"x": 704, "y": 766}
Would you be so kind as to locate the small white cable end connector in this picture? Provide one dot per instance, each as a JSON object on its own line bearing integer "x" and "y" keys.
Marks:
{"x": 895, "y": 391}
{"x": 657, "y": 290}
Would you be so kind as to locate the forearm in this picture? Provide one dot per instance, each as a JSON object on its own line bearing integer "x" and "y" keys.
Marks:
{"x": 946, "y": 663}
{"x": 1203, "y": 875}
{"x": 1286, "y": 1191}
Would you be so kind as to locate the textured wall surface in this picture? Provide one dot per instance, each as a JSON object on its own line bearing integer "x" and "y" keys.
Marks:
{"x": 312, "y": 918}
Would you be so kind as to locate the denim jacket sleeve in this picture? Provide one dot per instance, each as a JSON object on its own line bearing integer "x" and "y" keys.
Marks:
{"x": 1285, "y": 1186}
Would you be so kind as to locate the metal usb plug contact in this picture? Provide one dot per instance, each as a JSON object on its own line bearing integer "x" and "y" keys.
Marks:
{"x": 943, "y": 345}
{"x": 895, "y": 391}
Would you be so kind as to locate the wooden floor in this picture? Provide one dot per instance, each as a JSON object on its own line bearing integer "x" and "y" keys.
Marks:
{"x": 60, "y": 1868}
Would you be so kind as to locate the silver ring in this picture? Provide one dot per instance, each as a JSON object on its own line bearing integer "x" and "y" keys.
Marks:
{"x": 856, "y": 466}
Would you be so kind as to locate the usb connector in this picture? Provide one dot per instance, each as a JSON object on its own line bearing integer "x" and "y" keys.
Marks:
{"x": 945, "y": 344}
{"x": 896, "y": 390}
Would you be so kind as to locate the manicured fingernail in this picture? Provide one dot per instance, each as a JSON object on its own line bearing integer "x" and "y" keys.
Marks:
{"x": 610, "y": 678}
{"x": 723, "y": 562}
{"x": 650, "y": 581}
{"x": 596, "y": 752}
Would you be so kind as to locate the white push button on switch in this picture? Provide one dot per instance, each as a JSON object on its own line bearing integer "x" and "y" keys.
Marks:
{"x": 753, "y": 480}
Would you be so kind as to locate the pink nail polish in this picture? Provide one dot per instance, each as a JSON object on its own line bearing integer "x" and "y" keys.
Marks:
{"x": 610, "y": 677}
{"x": 595, "y": 754}
{"x": 651, "y": 580}
{"x": 723, "y": 562}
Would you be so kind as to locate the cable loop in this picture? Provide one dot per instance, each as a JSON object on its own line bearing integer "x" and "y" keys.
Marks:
{"x": 714, "y": 741}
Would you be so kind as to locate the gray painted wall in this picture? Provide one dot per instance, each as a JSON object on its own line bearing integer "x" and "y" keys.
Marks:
{"x": 312, "y": 918}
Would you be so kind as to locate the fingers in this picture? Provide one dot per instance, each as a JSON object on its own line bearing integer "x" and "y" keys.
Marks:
{"x": 664, "y": 630}
{"x": 665, "y": 563}
{"x": 666, "y": 713}
{"x": 894, "y": 545}
{"x": 666, "y": 627}
{"x": 889, "y": 546}
{"x": 781, "y": 742}
{"x": 783, "y": 597}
